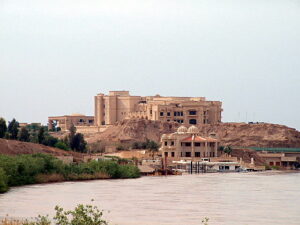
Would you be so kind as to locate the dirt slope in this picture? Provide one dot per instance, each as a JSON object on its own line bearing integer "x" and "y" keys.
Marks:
{"x": 12, "y": 147}
{"x": 234, "y": 134}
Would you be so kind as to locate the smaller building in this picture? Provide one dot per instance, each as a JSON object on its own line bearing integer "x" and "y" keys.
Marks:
{"x": 188, "y": 144}
{"x": 281, "y": 159}
{"x": 65, "y": 122}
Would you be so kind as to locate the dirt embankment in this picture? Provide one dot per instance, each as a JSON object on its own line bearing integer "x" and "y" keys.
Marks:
{"x": 12, "y": 147}
{"x": 234, "y": 134}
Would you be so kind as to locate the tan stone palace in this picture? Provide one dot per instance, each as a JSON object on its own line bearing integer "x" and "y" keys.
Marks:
{"x": 188, "y": 144}
{"x": 119, "y": 105}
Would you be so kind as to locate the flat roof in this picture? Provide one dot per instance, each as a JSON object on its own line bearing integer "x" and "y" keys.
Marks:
{"x": 276, "y": 150}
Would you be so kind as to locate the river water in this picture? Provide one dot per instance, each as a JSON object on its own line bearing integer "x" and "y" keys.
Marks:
{"x": 231, "y": 198}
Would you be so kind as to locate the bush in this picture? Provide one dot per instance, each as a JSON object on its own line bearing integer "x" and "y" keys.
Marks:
{"x": 61, "y": 145}
{"x": 3, "y": 181}
{"x": 81, "y": 215}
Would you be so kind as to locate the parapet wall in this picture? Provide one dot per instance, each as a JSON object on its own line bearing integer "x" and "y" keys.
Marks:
{"x": 90, "y": 129}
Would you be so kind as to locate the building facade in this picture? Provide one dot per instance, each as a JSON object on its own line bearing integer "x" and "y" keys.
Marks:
{"x": 120, "y": 105}
{"x": 65, "y": 122}
{"x": 187, "y": 144}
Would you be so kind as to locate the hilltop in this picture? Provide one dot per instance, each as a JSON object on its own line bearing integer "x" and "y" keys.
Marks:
{"x": 234, "y": 134}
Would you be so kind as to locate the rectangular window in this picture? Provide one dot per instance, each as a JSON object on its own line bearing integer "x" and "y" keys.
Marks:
{"x": 172, "y": 143}
{"x": 193, "y": 112}
{"x": 161, "y": 113}
{"x": 188, "y": 154}
{"x": 173, "y": 154}
{"x": 197, "y": 144}
{"x": 166, "y": 154}
{"x": 166, "y": 143}
{"x": 168, "y": 114}
{"x": 188, "y": 144}
{"x": 197, "y": 154}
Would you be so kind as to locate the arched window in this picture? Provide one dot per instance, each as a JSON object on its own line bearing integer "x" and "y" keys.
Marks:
{"x": 193, "y": 121}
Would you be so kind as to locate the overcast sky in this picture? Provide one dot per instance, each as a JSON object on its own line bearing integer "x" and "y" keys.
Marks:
{"x": 56, "y": 55}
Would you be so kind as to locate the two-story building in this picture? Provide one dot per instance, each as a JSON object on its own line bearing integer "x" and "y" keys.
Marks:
{"x": 188, "y": 144}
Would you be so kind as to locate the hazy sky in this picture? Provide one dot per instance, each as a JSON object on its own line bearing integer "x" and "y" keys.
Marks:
{"x": 56, "y": 55}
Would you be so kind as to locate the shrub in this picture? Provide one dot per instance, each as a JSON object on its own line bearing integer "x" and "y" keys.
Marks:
{"x": 61, "y": 145}
{"x": 3, "y": 181}
{"x": 81, "y": 215}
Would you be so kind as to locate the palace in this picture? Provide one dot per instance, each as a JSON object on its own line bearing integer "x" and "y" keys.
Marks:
{"x": 187, "y": 144}
{"x": 119, "y": 105}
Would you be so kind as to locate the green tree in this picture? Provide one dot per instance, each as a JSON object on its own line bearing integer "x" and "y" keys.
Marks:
{"x": 76, "y": 140}
{"x": 72, "y": 134}
{"x": 50, "y": 140}
{"x": 152, "y": 146}
{"x": 24, "y": 135}
{"x": 3, "y": 127}
{"x": 227, "y": 150}
{"x": 13, "y": 129}
{"x": 79, "y": 144}
{"x": 41, "y": 135}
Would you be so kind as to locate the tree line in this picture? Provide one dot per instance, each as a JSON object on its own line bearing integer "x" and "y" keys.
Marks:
{"x": 39, "y": 134}
{"x": 42, "y": 168}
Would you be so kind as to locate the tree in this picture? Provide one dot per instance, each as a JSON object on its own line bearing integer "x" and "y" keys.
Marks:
{"x": 76, "y": 140}
{"x": 153, "y": 146}
{"x": 13, "y": 129}
{"x": 72, "y": 134}
{"x": 3, "y": 127}
{"x": 41, "y": 135}
{"x": 79, "y": 144}
{"x": 50, "y": 140}
{"x": 227, "y": 150}
{"x": 24, "y": 135}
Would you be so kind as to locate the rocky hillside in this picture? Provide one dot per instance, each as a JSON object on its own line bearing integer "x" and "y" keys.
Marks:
{"x": 133, "y": 130}
{"x": 12, "y": 147}
{"x": 234, "y": 134}
{"x": 255, "y": 135}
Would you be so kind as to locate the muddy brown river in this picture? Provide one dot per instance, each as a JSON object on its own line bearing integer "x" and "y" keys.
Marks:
{"x": 232, "y": 198}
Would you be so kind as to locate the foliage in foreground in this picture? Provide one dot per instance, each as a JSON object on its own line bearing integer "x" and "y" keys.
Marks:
{"x": 42, "y": 168}
{"x": 81, "y": 215}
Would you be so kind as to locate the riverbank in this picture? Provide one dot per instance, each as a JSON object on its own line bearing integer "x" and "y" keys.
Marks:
{"x": 41, "y": 168}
